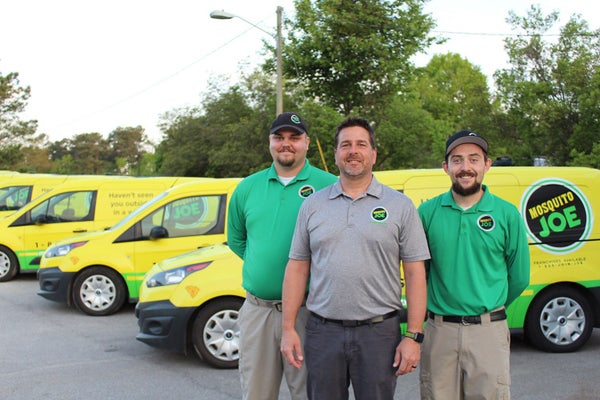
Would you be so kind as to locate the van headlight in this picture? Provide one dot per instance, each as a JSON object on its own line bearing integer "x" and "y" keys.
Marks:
{"x": 63, "y": 249}
{"x": 174, "y": 276}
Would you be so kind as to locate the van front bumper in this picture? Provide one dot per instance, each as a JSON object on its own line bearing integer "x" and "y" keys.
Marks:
{"x": 54, "y": 284}
{"x": 163, "y": 325}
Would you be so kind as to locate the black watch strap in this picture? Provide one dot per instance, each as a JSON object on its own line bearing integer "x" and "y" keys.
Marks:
{"x": 416, "y": 336}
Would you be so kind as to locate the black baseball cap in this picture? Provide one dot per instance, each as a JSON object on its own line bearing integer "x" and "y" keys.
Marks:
{"x": 463, "y": 137}
{"x": 288, "y": 120}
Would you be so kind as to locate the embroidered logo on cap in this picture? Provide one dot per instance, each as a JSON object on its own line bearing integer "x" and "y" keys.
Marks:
{"x": 295, "y": 119}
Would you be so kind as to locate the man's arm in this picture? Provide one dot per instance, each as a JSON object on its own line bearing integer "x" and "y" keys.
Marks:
{"x": 517, "y": 259}
{"x": 408, "y": 352}
{"x": 236, "y": 226}
{"x": 294, "y": 288}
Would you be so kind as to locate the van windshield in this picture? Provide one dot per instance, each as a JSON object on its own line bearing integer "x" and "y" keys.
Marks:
{"x": 139, "y": 210}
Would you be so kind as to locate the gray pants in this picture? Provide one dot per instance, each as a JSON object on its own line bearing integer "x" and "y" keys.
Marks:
{"x": 363, "y": 355}
{"x": 262, "y": 365}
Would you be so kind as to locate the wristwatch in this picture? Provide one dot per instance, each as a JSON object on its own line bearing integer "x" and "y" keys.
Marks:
{"x": 416, "y": 336}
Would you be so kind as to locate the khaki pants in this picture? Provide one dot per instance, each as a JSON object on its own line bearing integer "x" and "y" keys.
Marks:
{"x": 261, "y": 364}
{"x": 465, "y": 361}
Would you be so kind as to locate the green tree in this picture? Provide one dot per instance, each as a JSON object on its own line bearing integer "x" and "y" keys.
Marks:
{"x": 354, "y": 55}
{"x": 90, "y": 154}
{"x": 552, "y": 89}
{"x": 455, "y": 91}
{"x": 406, "y": 136}
{"x": 455, "y": 94}
{"x": 128, "y": 146}
{"x": 14, "y": 132}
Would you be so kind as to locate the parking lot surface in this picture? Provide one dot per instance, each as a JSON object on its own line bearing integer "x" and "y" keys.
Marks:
{"x": 52, "y": 352}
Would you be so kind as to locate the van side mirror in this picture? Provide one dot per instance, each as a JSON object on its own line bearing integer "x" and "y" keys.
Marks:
{"x": 41, "y": 219}
{"x": 158, "y": 232}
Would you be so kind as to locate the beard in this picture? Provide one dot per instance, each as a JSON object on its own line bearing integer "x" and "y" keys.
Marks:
{"x": 466, "y": 191}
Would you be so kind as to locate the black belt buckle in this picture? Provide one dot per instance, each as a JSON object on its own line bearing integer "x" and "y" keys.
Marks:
{"x": 470, "y": 320}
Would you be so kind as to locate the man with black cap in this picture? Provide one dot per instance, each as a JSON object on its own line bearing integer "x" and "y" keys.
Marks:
{"x": 262, "y": 215}
{"x": 479, "y": 264}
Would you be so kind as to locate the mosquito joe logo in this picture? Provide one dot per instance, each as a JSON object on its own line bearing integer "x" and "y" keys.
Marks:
{"x": 486, "y": 222}
{"x": 306, "y": 191}
{"x": 379, "y": 214}
{"x": 557, "y": 214}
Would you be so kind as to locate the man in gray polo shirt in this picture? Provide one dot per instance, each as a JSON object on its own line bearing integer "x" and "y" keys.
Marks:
{"x": 350, "y": 238}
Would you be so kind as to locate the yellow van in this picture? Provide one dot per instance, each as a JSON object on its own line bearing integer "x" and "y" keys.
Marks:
{"x": 81, "y": 205}
{"x": 99, "y": 271}
{"x": 22, "y": 188}
{"x": 183, "y": 307}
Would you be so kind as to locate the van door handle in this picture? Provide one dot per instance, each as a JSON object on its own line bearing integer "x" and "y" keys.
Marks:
{"x": 79, "y": 230}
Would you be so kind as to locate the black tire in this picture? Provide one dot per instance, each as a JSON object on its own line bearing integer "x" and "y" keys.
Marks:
{"x": 9, "y": 265}
{"x": 216, "y": 333}
{"x": 99, "y": 291}
{"x": 559, "y": 320}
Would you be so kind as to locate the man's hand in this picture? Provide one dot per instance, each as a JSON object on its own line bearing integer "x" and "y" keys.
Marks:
{"x": 291, "y": 348}
{"x": 408, "y": 355}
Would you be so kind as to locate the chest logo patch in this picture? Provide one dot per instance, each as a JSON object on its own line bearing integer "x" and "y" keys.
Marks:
{"x": 486, "y": 222}
{"x": 306, "y": 191}
{"x": 379, "y": 214}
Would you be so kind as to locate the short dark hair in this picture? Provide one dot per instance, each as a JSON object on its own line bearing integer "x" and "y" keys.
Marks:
{"x": 354, "y": 121}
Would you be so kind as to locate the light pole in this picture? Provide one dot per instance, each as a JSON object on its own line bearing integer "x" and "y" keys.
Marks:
{"x": 279, "y": 84}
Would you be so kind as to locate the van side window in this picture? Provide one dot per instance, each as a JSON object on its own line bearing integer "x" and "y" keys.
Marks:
{"x": 15, "y": 197}
{"x": 64, "y": 207}
{"x": 191, "y": 216}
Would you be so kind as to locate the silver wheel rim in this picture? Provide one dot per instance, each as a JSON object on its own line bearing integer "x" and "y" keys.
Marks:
{"x": 562, "y": 321}
{"x": 97, "y": 292}
{"x": 4, "y": 264}
{"x": 221, "y": 335}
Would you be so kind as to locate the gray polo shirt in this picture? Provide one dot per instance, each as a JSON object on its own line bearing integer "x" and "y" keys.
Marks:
{"x": 355, "y": 248}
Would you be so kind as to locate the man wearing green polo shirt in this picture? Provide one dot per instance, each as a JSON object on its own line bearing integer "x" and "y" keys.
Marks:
{"x": 262, "y": 215}
{"x": 479, "y": 264}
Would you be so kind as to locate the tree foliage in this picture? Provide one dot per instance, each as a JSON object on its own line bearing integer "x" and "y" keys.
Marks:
{"x": 14, "y": 131}
{"x": 353, "y": 55}
{"x": 551, "y": 92}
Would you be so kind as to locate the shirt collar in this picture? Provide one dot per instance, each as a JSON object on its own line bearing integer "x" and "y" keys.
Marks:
{"x": 375, "y": 189}
{"x": 302, "y": 175}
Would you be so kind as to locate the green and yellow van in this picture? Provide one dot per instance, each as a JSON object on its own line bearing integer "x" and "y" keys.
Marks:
{"x": 99, "y": 271}
{"x": 183, "y": 307}
{"x": 74, "y": 207}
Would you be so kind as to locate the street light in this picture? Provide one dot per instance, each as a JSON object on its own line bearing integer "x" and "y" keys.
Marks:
{"x": 279, "y": 84}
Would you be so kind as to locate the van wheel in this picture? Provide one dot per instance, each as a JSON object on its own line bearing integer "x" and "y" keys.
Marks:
{"x": 559, "y": 320}
{"x": 8, "y": 264}
{"x": 216, "y": 333}
{"x": 99, "y": 291}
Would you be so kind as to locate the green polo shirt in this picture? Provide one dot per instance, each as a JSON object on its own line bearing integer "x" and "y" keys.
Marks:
{"x": 261, "y": 220}
{"x": 479, "y": 257}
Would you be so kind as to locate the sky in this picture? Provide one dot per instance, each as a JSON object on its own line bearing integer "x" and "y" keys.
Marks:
{"x": 94, "y": 66}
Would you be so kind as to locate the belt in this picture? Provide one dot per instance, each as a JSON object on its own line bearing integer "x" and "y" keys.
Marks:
{"x": 352, "y": 323}
{"x": 276, "y": 304}
{"x": 498, "y": 315}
